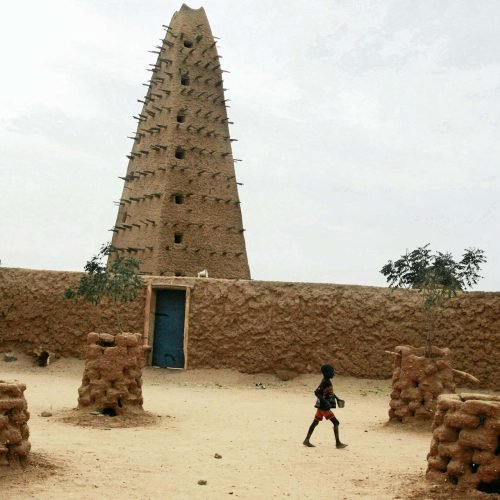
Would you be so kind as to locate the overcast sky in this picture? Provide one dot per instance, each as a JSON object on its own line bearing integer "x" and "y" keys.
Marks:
{"x": 365, "y": 128}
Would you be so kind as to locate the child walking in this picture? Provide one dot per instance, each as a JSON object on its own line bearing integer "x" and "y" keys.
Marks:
{"x": 326, "y": 399}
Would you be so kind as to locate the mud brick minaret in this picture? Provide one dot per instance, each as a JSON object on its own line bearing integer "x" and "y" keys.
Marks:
{"x": 180, "y": 212}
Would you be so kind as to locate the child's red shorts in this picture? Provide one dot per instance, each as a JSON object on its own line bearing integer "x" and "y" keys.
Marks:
{"x": 320, "y": 414}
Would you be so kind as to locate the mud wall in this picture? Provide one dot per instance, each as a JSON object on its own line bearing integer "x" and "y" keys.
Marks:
{"x": 257, "y": 326}
{"x": 35, "y": 315}
{"x": 263, "y": 326}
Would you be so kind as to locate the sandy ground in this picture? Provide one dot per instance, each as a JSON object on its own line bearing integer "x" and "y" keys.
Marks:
{"x": 199, "y": 413}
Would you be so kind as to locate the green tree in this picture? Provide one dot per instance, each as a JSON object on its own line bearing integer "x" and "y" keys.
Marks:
{"x": 437, "y": 276}
{"x": 115, "y": 281}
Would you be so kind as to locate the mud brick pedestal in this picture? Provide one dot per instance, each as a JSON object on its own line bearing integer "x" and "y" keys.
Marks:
{"x": 417, "y": 381}
{"x": 465, "y": 443}
{"x": 14, "y": 432}
{"x": 112, "y": 379}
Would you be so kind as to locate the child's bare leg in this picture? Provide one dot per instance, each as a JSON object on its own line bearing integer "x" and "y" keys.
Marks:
{"x": 306, "y": 441}
{"x": 336, "y": 424}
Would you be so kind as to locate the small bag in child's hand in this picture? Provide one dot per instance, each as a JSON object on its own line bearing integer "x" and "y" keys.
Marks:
{"x": 341, "y": 403}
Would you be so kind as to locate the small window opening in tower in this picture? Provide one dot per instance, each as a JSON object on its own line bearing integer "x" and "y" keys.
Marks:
{"x": 178, "y": 199}
{"x": 181, "y": 117}
{"x": 179, "y": 153}
{"x": 184, "y": 80}
{"x": 188, "y": 44}
{"x": 179, "y": 273}
{"x": 178, "y": 238}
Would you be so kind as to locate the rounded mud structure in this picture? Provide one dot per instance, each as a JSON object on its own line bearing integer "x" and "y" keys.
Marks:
{"x": 465, "y": 446}
{"x": 14, "y": 432}
{"x": 417, "y": 381}
{"x": 112, "y": 379}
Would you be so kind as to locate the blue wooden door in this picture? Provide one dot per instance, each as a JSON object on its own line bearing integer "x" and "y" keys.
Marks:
{"x": 168, "y": 343}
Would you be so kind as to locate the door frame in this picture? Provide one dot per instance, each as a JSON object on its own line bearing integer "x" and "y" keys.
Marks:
{"x": 149, "y": 317}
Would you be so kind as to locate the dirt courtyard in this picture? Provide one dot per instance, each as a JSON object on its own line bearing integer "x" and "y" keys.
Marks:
{"x": 197, "y": 414}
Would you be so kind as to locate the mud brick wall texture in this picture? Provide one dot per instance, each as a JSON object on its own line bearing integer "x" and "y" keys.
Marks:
{"x": 262, "y": 326}
{"x": 14, "y": 432}
{"x": 112, "y": 378}
{"x": 35, "y": 315}
{"x": 465, "y": 446}
{"x": 259, "y": 326}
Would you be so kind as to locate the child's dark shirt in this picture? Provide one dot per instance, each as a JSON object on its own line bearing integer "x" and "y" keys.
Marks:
{"x": 325, "y": 395}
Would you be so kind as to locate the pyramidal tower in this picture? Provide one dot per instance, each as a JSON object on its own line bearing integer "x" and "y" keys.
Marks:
{"x": 179, "y": 213}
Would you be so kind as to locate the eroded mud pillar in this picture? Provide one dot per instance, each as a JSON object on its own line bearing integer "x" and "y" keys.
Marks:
{"x": 465, "y": 444}
{"x": 14, "y": 432}
{"x": 417, "y": 381}
{"x": 112, "y": 379}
